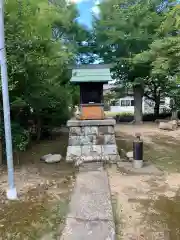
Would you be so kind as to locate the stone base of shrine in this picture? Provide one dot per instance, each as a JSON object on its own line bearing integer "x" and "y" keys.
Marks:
{"x": 92, "y": 140}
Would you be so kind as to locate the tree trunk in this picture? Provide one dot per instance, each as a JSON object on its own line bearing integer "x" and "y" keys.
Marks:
{"x": 156, "y": 108}
{"x": 38, "y": 128}
{"x": 138, "y": 95}
{"x": 17, "y": 157}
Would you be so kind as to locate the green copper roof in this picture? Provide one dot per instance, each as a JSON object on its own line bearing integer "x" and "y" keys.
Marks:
{"x": 91, "y": 73}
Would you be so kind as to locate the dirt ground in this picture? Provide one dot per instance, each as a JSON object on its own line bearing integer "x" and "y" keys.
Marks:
{"x": 160, "y": 146}
{"x": 147, "y": 130}
{"x": 43, "y": 191}
{"x": 145, "y": 207}
{"x": 148, "y": 207}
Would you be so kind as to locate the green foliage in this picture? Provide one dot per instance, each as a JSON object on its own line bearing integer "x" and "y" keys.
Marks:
{"x": 120, "y": 114}
{"x": 42, "y": 40}
{"x": 123, "y": 30}
{"x": 20, "y": 137}
{"x": 142, "y": 39}
{"x": 171, "y": 23}
{"x": 162, "y": 58}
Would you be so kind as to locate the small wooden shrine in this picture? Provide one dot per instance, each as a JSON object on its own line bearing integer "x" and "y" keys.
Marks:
{"x": 91, "y": 78}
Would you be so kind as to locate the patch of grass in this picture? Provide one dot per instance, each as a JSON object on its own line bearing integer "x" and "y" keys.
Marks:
{"x": 164, "y": 140}
{"x": 37, "y": 150}
{"x": 39, "y": 214}
{"x": 32, "y": 217}
{"x": 164, "y": 151}
{"x": 125, "y": 144}
{"x": 163, "y": 215}
{"x": 114, "y": 114}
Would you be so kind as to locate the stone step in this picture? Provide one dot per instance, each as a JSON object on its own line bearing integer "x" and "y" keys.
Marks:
{"x": 91, "y": 166}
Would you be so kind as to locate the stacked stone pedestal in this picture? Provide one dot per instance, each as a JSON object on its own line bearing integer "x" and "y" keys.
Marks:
{"x": 92, "y": 140}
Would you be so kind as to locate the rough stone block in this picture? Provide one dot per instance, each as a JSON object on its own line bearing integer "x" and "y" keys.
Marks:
{"x": 87, "y": 130}
{"x": 110, "y": 129}
{"x": 75, "y": 131}
{"x": 99, "y": 139}
{"x": 86, "y": 159}
{"x": 106, "y": 130}
{"x": 96, "y": 150}
{"x": 109, "y": 139}
{"x": 93, "y": 150}
{"x": 74, "y": 141}
{"x": 74, "y": 151}
{"x": 86, "y": 149}
{"x": 54, "y": 158}
{"x": 90, "y": 130}
{"x": 94, "y": 140}
{"x": 109, "y": 149}
{"x": 86, "y": 140}
{"x": 94, "y": 130}
{"x": 103, "y": 130}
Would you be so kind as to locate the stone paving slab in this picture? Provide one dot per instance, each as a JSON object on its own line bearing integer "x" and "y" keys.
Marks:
{"x": 88, "y": 230}
{"x": 91, "y": 206}
{"x": 91, "y": 198}
{"x": 147, "y": 169}
{"x": 90, "y": 211}
{"x": 92, "y": 182}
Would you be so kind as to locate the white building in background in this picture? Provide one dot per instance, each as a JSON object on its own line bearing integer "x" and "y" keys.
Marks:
{"x": 126, "y": 105}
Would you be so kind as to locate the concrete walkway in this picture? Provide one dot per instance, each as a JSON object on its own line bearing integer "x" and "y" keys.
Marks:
{"x": 90, "y": 212}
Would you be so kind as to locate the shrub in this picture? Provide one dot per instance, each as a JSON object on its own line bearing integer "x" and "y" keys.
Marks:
{"x": 121, "y": 114}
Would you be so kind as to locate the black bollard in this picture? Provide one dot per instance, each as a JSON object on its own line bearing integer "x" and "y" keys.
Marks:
{"x": 138, "y": 148}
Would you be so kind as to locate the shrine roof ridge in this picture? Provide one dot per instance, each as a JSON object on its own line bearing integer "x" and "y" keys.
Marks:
{"x": 91, "y": 73}
{"x": 92, "y": 66}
